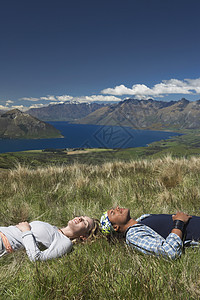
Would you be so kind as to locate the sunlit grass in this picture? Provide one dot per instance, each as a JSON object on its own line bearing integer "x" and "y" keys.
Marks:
{"x": 100, "y": 270}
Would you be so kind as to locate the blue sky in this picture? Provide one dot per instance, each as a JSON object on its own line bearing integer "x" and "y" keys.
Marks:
{"x": 53, "y": 51}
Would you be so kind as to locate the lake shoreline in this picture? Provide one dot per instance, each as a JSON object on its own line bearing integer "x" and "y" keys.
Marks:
{"x": 88, "y": 136}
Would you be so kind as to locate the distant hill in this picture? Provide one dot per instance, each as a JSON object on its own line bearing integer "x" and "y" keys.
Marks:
{"x": 64, "y": 112}
{"x": 148, "y": 114}
{"x": 16, "y": 124}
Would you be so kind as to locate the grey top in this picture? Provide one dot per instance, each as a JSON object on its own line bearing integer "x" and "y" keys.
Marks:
{"x": 42, "y": 234}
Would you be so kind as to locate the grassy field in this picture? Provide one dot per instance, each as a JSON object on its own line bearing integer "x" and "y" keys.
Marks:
{"x": 100, "y": 270}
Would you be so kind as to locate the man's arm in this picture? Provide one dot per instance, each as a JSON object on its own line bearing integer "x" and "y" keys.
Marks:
{"x": 146, "y": 240}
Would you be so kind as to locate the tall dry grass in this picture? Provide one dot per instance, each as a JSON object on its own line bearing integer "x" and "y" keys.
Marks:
{"x": 100, "y": 270}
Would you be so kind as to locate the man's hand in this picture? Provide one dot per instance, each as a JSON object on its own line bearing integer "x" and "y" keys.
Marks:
{"x": 23, "y": 226}
{"x": 181, "y": 216}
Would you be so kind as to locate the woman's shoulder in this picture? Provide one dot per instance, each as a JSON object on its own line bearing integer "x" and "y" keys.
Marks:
{"x": 51, "y": 230}
{"x": 40, "y": 225}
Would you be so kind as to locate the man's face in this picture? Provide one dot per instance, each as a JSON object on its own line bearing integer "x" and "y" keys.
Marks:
{"x": 119, "y": 216}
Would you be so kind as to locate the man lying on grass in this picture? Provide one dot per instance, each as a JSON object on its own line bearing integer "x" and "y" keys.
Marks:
{"x": 158, "y": 234}
{"x": 56, "y": 242}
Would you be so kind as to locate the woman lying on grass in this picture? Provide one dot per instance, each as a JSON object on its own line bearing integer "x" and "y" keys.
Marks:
{"x": 57, "y": 242}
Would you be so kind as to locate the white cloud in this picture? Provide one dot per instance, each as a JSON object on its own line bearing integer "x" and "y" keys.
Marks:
{"x": 49, "y": 98}
{"x": 61, "y": 102}
{"x": 102, "y": 98}
{"x": 64, "y": 98}
{"x": 94, "y": 98}
{"x": 195, "y": 84}
{"x": 9, "y": 102}
{"x": 118, "y": 90}
{"x": 172, "y": 86}
{"x": 20, "y": 107}
{"x": 3, "y": 107}
{"x": 37, "y": 105}
{"x": 139, "y": 91}
{"x": 30, "y": 99}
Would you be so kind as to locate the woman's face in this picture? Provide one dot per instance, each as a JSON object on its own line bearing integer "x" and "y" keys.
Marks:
{"x": 81, "y": 226}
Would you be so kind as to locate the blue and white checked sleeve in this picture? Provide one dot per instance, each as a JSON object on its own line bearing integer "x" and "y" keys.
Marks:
{"x": 146, "y": 240}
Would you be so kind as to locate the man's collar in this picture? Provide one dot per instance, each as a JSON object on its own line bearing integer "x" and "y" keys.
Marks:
{"x": 134, "y": 225}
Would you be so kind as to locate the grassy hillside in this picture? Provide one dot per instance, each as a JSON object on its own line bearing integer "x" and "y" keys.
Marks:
{"x": 100, "y": 270}
{"x": 15, "y": 124}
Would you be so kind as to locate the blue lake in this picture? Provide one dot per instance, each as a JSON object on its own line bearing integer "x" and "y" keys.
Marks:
{"x": 88, "y": 136}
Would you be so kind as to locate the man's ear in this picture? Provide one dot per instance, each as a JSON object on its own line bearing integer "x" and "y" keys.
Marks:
{"x": 116, "y": 227}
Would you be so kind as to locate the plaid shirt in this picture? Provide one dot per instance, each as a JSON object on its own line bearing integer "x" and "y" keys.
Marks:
{"x": 146, "y": 240}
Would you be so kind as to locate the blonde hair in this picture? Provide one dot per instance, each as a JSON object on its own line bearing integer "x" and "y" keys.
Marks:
{"x": 94, "y": 231}
{"x": 92, "y": 235}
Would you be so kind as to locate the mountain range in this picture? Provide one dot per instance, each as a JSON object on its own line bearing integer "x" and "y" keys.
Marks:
{"x": 138, "y": 114}
{"x": 68, "y": 111}
{"x": 16, "y": 124}
{"x": 148, "y": 114}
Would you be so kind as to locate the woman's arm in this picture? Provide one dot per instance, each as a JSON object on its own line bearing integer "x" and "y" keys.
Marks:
{"x": 60, "y": 245}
